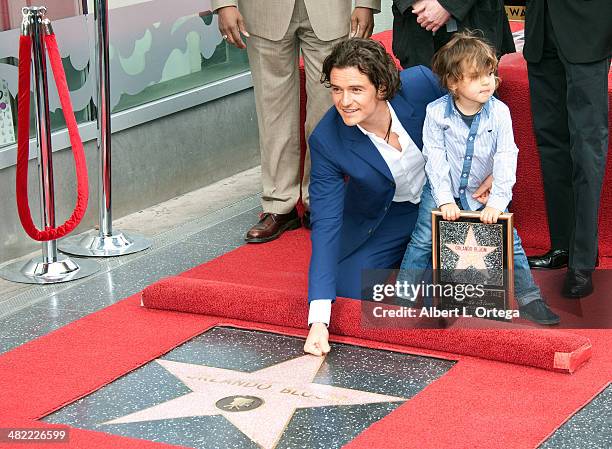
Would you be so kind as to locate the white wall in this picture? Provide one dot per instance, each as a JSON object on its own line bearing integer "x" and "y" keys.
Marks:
{"x": 384, "y": 20}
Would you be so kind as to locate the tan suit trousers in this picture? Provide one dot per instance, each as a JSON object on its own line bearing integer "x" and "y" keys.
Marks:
{"x": 276, "y": 81}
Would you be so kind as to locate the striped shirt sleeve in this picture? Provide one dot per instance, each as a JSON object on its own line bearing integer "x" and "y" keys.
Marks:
{"x": 436, "y": 165}
{"x": 504, "y": 161}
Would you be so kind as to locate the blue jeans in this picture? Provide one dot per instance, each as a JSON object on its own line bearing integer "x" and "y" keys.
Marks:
{"x": 417, "y": 259}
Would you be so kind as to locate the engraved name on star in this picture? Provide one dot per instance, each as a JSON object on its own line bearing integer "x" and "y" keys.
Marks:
{"x": 470, "y": 253}
{"x": 248, "y": 400}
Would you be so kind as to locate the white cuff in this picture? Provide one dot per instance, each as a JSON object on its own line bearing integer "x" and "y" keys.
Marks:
{"x": 319, "y": 311}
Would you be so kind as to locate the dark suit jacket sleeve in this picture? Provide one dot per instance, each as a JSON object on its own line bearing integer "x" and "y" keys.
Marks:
{"x": 459, "y": 9}
{"x": 403, "y": 5}
{"x": 586, "y": 29}
{"x": 326, "y": 206}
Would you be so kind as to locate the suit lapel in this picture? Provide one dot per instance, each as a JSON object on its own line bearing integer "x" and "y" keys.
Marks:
{"x": 360, "y": 144}
{"x": 412, "y": 124}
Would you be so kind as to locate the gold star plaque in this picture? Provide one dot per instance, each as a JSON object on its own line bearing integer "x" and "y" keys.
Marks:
{"x": 467, "y": 252}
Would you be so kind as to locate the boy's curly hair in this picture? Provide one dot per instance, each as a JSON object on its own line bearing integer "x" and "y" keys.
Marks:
{"x": 467, "y": 53}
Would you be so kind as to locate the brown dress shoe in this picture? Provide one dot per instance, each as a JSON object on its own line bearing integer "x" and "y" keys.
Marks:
{"x": 271, "y": 226}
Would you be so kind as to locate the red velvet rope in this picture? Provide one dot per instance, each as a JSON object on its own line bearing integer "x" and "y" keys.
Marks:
{"x": 23, "y": 144}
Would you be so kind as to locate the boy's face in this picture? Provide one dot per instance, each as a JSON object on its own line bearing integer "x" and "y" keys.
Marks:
{"x": 475, "y": 87}
{"x": 354, "y": 95}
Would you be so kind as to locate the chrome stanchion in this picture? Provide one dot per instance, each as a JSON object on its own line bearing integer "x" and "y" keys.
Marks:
{"x": 50, "y": 267}
{"x": 107, "y": 243}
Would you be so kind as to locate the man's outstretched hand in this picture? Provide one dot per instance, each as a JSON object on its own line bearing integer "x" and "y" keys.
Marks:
{"x": 317, "y": 342}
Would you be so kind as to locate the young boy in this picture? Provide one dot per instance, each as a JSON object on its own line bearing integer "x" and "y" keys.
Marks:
{"x": 467, "y": 137}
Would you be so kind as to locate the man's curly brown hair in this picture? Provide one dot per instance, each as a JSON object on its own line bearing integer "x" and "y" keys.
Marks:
{"x": 370, "y": 58}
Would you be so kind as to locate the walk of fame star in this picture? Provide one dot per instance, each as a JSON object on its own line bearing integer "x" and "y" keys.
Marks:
{"x": 260, "y": 404}
{"x": 470, "y": 253}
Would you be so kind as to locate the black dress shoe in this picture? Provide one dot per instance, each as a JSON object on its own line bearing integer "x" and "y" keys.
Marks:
{"x": 555, "y": 258}
{"x": 306, "y": 220}
{"x": 578, "y": 283}
{"x": 539, "y": 312}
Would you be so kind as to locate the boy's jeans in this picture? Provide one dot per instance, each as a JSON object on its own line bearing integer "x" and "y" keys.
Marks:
{"x": 417, "y": 259}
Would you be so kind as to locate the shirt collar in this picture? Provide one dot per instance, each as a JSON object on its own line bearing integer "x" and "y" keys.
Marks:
{"x": 450, "y": 105}
{"x": 394, "y": 123}
{"x": 487, "y": 107}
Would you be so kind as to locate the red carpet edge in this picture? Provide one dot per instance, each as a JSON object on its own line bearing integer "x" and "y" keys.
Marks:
{"x": 58, "y": 368}
{"x": 546, "y": 348}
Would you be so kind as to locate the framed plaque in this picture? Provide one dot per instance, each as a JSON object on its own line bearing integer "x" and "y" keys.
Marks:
{"x": 477, "y": 260}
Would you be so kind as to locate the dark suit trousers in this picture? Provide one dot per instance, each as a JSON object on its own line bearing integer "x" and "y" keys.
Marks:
{"x": 569, "y": 104}
{"x": 412, "y": 44}
{"x": 384, "y": 250}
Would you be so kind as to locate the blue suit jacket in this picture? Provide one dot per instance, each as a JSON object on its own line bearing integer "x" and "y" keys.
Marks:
{"x": 345, "y": 213}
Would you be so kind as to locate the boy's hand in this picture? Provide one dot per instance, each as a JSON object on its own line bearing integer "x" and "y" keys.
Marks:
{"x": 450, "y": 211}
{"x": 317, "y": 342}
{"x": 490, "y": 215}
{"x": 482, "y": 193}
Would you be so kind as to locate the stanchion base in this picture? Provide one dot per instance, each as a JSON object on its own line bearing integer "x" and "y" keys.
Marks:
{"x": 36, "y": 271}
{"x": 116, "y": 244}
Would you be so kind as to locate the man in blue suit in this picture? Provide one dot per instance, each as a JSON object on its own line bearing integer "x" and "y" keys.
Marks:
{"x": 367, "y": 173}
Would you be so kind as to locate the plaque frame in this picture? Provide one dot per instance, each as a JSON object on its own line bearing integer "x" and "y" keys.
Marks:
{"x": 507, "y": 220}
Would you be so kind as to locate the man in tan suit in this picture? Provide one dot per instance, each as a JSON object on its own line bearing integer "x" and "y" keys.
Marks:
{"x": 277, "y": 33}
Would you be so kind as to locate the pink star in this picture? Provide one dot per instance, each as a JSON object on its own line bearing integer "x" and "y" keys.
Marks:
{"x": 260, "y": 404}
{"x": 470, "y": 253}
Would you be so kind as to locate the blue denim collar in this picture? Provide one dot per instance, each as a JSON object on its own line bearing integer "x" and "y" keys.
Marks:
{"x": 450, "y": 105}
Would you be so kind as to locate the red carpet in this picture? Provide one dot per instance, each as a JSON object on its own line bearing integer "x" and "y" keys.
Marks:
{"x": 547, "y": 349}
{"x": 78, "y": 438}
{"x": 516, "y": 25}
{"x": 477, "y": 404}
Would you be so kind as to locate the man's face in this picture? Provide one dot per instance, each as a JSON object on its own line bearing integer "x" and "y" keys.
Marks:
{"x": 354, "y": 95}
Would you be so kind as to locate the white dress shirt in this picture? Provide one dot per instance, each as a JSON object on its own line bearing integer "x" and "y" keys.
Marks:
{"x": 407, "y": 168}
